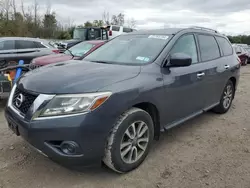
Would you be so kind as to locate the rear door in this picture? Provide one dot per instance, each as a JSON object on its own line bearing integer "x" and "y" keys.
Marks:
{"x": 216, "y": 65}
{"x": 184, "y": 89}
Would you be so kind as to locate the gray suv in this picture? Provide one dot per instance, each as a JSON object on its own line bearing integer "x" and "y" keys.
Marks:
{"x": 13, "y": 49}
{"x": 110, "y": 106}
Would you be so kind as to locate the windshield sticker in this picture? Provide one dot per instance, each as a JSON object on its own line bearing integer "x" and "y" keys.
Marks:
{"x": 146, "y": 59}
{"x": 142, "y": 58}
{"x": 162, "y": 37}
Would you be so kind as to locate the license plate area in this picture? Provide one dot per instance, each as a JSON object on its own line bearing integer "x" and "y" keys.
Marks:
{"x": 13, "y": 126}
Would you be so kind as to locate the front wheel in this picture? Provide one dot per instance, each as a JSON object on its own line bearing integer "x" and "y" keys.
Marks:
{"x": 226, "y": 98}
{"x": 129, "y": 141}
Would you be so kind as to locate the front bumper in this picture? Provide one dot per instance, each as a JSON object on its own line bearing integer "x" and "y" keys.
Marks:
{"x": 89, "y": 133}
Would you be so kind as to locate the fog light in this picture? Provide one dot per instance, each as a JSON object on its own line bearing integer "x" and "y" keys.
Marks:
{"x": 69, "y": 147}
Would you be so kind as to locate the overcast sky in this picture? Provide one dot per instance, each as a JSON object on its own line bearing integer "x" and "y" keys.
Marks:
{"x": 227, "y": 16}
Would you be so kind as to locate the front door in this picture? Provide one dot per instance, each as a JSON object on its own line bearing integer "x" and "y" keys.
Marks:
{"x": 184, "y": 89}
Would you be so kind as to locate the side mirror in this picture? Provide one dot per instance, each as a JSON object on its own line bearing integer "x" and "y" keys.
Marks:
{"x": 180, "y": 60}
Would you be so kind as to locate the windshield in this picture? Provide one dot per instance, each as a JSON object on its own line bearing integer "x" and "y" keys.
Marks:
{"x": 80, "y": 49}
{"x": 130, "y": 49}
{"x": 80, "y": 33}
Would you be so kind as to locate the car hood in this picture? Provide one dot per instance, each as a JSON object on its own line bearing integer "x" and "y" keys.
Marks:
{"x": 75, "y": 77}
{"x": 53, "y": 58}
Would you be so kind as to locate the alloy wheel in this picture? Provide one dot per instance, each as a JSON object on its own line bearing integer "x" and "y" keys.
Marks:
{"x": 134, "y": 142}
{"x": 227, "y": 97}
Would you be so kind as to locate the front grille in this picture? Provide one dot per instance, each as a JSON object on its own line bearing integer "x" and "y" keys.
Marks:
{"x": 26, "y": 103}
{"x": 33, "y": 66}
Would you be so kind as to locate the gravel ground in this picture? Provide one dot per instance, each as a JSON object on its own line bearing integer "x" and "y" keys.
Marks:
{"x": 208, "y": 151}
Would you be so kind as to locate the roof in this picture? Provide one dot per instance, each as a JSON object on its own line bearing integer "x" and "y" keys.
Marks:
{"x": 23, "y": 38}
{"x": 159, "y": 31}
{"x": 172, "y": 31}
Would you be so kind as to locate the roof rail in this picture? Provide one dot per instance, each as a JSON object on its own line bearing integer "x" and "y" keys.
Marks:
{"x": 203, "y": 28}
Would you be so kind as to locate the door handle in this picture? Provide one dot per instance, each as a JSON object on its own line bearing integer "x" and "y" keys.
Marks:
{"x": 200, "y": 75}
{"x": 226, "y": 66}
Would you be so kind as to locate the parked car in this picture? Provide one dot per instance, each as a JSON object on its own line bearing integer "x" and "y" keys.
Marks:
{"x": 76, "y": 52}
{"x": 248, "y": 52}
{"x": 116, "y": 30}
{"x": 110, "y": 106}
{"x": 81, "y": 34}
{"x": 13, "y": 49}
{"x": 242, "y": 54}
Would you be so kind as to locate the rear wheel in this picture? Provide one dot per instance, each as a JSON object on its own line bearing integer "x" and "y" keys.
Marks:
{"x": 129, "y": 141}
{"x": 226, "y": 98}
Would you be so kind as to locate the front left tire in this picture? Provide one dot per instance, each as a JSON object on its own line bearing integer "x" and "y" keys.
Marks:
{"x": 129, "y": 141}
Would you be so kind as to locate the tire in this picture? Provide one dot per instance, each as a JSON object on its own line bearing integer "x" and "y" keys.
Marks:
{"x": 222, "y": 107}
{"x": 119, "y": 136}
{"x": 246, "y": 61}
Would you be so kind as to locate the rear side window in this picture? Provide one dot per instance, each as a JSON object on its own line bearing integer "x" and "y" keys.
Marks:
{"x": 225, "y": 46}
{"x": 24, "y": 44}
{"x": 7, "y": 45}
{"x": 115, "y": 28}
{"x": 127, "y": 30}
{"x": 208, "y": 47}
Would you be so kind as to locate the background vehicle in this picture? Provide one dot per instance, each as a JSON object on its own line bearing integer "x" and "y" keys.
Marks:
{"x": 84, "y": 34}
{"x": 116, "y": 30}
{"x": 77, "y": 52}
{"x": 13, "y": 49}
{"x": 127, "y": 91}
{"x": 242, "y": 54}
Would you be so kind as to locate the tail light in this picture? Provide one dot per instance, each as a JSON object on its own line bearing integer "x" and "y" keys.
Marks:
{"x": 56, "y": 51}
{"x": 239, "y": 60}
{"x": 110, "y": 32}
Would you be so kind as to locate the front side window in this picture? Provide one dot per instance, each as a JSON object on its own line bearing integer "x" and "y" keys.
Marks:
{"x": 186, "y": 44}
{"x": 130, "y": 49}
{"x": 24, "y": 44}
{"x": 208, "y": 47}
{"x": 80, "y": 49}
{"x": 7, "y": 45}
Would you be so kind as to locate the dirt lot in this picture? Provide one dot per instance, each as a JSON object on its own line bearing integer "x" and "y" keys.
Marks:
{"x": 209, "y": 151}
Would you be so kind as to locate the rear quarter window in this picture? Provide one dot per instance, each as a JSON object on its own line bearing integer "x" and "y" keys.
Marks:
{"x": 39, "y": 45}
{"x": 115, "y": 28}
{"x": 208, "y": 47}
{"x": 225, "y": 46}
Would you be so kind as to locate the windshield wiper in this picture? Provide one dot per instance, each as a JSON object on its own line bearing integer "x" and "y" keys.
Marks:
{"x": 104, "y": 62}
{"x": 71, "y": 53}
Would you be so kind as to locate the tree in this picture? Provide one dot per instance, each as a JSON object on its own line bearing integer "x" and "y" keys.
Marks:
{"x": 106, "y": 18}
{"x": 88, "y": 24}
{"x": 131, "y": 23}
{"x": 97, "y": 23}
{"x": 50, "y": 24}
{"x": 118, "y": 19}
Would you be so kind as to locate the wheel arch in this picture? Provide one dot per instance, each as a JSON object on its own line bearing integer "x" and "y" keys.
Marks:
{"x": 155, "y": 115}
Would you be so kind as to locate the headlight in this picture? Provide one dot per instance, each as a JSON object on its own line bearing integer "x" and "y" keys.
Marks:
{"x": 73, "y": 104}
